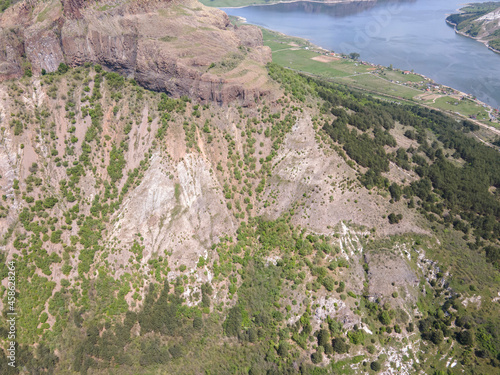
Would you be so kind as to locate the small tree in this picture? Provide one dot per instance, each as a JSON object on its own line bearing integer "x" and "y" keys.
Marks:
{"x": 197, "y": 322}
{"x": 395, "y": 191}
{"x": 233, "y": 322}
{"x": 317, "y": 356}
{"x": 375, "y": 366}
{"x": 63, "y": 68}
{"x": 328, "y": 349}
{"x": 252, "y": 334}
{"x": 394, "y": 219}
{"x": 384, "y": 318}
{"x": 354, "y": 55}
{"x": 323, "y": 337}
{"x": 283, "y": 349}
{"x": 465, "y": 338}
{"x": 329, "y": 283}
{"x": 437, "y": 337}
{"x": 340, "y": 346}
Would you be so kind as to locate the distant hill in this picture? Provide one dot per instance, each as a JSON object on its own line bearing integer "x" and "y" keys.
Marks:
{"x": 480, "y": 21}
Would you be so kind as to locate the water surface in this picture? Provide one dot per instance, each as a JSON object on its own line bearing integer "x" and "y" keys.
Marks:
{"x": 407, "y": 34}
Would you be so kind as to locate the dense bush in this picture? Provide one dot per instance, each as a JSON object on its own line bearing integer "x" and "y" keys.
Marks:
{"x": 375, "y": 366}
{"x": 116, "y": 164}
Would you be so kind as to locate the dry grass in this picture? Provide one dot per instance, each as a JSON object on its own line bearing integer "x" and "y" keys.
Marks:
{"x": 325, "y": 59}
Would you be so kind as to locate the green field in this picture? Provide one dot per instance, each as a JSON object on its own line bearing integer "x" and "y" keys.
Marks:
{"x": 465, "y": 107}
{"x": 291, "y": 53}
{"x": 380, "y": 85}
{"x": 301, "y": 60}
{"x": 354, "y": 73}
{"x": 396, "y": 75}
{"x": 283, "y": 40}
{"x": 297, "y": 54}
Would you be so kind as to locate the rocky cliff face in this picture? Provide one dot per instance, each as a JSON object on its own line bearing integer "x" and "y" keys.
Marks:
{"x": 182, "y": 48}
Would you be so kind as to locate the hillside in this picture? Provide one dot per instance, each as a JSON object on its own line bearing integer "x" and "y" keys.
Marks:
{"x": 480, "y": 21}
{"x": 275, "y": 225}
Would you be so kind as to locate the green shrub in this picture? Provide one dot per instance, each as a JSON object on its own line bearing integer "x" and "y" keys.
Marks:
{"x": 394, "y": 219}
{"x": 317, "y": 357}
{"x": 384, "y": 318}
{"x": 329, "y": 283}
{"x": 375, "y": 366}
{"x": 43, "y": 317}
{"x": 62, "y": 68}
{"x": 116, "y": 164}
{"x": 339, "y": 345}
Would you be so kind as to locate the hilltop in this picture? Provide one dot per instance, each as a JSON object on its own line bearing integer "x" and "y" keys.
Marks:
{"x": 301, "y": 227}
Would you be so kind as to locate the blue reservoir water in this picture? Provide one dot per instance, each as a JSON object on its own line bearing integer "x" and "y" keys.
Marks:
{"x": 407, "y": 34}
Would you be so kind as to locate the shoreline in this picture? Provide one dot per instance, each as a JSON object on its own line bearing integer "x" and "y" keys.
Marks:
{"x": 470, "y": 96}
{"x": 299, "y": 1}
{"x": 460, "y": 92}
{"x": 485, "y": 42}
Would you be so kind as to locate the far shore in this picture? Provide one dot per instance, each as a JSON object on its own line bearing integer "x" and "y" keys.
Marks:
{"x": 485, "y": 42}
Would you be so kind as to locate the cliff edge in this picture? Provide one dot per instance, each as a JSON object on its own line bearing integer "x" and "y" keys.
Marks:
{"x": 181, "y": 48}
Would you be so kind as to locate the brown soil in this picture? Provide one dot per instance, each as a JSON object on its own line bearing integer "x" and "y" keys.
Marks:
{"x": 325, "y": 59}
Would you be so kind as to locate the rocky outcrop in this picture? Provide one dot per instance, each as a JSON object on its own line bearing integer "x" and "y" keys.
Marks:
{"x": 72, "y": 8}
{"x": 250, "y": 36}
{"x": 11, "y": 50}
{"x": 182, "y": 48}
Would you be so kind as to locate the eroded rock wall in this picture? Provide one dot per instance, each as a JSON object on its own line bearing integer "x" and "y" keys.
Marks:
{"x": 168, "y": 46}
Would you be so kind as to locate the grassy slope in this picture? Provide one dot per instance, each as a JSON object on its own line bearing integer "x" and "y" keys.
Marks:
{"x": 470, "y": 274}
